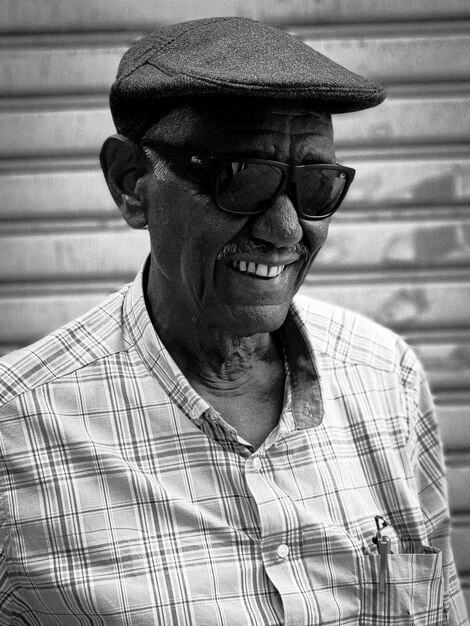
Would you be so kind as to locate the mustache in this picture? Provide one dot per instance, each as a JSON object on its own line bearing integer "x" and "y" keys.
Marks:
{"x": 247, "y": 245}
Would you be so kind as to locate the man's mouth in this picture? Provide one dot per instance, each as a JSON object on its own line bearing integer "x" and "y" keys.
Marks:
{"x": 258, "y": 269}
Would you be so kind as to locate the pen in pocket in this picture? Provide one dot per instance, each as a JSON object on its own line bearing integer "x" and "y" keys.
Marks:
{"x": 384, "y": 548}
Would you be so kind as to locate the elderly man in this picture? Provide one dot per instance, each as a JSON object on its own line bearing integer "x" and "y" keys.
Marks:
{"x": 203, "y": 448}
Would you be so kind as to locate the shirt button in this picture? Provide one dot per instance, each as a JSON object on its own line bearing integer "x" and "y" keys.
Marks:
{"x": 282, "y": 550}
{"x": 257, "y": 463}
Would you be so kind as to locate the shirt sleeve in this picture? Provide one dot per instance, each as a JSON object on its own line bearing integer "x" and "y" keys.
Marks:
{"x": 429, "y": 470}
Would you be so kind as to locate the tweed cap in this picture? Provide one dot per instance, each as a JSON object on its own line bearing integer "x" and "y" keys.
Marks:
{"x": 228, "y": 56}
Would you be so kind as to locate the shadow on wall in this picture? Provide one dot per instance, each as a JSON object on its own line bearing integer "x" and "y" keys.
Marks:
{"x": 442, "y": 189}
{"x": 433, "y": 246}
{"x": 443, "y": 244}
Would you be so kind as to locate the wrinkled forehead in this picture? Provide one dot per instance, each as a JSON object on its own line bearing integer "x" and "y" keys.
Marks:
{"x": 270, "y": 128}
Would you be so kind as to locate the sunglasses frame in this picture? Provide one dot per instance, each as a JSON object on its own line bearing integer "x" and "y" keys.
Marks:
{"x": 183, "y": 157}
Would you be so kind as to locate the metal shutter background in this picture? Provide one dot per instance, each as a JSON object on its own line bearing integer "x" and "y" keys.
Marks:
{"x": 399, "y": 250}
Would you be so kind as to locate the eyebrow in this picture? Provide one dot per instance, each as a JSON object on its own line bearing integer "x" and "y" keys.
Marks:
{"x": 182, "y": 154}
{"x": 310, "y": 158}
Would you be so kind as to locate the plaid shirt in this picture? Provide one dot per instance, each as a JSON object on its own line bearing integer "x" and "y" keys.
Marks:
{"x": 127, "y": 499}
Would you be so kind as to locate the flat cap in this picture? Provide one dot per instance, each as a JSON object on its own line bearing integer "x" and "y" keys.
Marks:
{"x": 229, "y": 56}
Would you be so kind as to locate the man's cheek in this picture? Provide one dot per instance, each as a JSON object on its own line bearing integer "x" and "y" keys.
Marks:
{"x": 316, "y": 236}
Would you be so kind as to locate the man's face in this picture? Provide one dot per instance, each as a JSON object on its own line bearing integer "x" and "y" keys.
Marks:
{"x": 209, "y": 265}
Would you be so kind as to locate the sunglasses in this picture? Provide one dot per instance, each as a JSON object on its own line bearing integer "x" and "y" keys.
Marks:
{"x": 246, "y": 186}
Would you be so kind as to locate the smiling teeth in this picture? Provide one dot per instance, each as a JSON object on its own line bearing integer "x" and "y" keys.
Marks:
{"x": 258, "y": 269}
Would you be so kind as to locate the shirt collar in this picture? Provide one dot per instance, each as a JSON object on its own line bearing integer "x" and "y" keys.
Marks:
{"x": 153, "y": 353}
{"x": 306, "y": 397}
{"x": 307, "y": 403}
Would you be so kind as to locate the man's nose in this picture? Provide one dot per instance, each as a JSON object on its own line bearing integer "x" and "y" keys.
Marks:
{"x": 279, "y": 224}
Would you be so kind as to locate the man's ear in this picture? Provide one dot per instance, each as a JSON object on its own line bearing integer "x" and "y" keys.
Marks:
{"x": 123, "y": 165}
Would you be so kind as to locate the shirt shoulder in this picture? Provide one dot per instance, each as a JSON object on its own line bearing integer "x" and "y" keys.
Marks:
{"x": 90, "y": 337}
{"x": 350, "y": 337}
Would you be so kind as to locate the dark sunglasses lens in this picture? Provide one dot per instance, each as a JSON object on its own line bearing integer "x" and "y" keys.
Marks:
{"x": 244, "y": 187}
{"x": 320, "y": 190}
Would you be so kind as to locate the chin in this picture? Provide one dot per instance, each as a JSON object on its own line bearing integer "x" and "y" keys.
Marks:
{"x": 247, "y": 321}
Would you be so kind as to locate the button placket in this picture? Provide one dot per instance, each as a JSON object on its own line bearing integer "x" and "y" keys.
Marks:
{"x": 278, "y": 524}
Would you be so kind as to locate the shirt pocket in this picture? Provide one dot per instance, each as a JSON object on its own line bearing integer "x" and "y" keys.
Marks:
{"x": 413, "y": 593}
